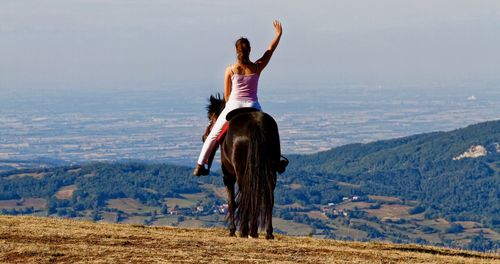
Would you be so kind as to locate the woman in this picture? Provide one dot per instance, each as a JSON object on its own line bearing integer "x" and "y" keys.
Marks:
{"x": 240, "y": 90}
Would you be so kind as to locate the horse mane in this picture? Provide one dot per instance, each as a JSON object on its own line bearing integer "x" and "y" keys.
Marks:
{"x": 215, "y": 106}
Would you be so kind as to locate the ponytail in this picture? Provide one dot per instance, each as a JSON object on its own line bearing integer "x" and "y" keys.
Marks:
{"x": 243, "y": 50}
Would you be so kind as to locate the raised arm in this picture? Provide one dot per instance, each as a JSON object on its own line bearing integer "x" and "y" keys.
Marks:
{"x": 262, "y": 62}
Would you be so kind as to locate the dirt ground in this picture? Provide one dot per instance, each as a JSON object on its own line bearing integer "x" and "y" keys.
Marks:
{"x": 49, "y": 240}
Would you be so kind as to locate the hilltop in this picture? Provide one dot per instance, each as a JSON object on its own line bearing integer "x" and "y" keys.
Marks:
{"x": 44, "y": 240}
{"x": 435, "y": 189}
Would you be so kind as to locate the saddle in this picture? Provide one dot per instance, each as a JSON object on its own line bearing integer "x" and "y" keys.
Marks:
{"x": 230, "y": 116}
{"x": 238, "y": 111}
{"x": 280, "y": 167}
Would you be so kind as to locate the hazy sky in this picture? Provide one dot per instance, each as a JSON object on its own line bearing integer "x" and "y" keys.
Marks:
{"x": 121, "y": 45}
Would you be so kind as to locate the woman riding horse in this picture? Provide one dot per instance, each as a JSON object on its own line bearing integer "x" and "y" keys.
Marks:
{"x": 251, "y": 157}
{"x": 240, "y": 91}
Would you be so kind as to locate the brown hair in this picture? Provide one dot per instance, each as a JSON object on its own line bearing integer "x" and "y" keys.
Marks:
{"x": 243, "y": 50}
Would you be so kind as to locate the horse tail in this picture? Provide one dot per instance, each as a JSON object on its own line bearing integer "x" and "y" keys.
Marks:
{"x": 258, "y": 180}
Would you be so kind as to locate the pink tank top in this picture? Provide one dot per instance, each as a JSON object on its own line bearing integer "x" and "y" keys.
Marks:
{"x": 244, "y": 87}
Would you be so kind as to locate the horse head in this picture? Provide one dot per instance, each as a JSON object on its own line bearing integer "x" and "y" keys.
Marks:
{"x": 214, "y": 108}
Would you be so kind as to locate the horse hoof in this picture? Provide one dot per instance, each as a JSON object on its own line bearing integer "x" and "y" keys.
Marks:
{"x": 232, "y": 234}
{"x": 269, "y": 236}
{"x": 255, "y": 236}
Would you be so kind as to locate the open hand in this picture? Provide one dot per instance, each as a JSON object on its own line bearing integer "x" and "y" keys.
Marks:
{"x": 277, "y": 27}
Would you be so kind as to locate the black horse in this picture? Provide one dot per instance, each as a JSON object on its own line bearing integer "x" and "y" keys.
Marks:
{"x": 250, "y": 156}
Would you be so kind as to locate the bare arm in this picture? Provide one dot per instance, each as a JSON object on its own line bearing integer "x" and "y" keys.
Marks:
{"x": 262, "y": 62}
{"x": 227, "y": 83}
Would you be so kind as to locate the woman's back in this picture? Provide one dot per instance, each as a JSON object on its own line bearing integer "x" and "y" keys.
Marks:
{"x": 244, "y": 82}
{"x": 247, "y": 69}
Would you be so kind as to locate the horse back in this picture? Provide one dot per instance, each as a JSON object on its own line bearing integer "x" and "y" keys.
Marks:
{"x": 243, "y": 128}
{"x": 248, "y": 123}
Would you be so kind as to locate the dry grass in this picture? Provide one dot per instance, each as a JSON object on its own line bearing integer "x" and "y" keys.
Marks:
{"x": 130, "y": 206}
{"x": 349, "y": 185}
{"x": 295, "y": 186}
{"x": 352, "y": 205}
{"x": 109, "y": 217}
{"x": 181, "y": 203}
{"x": 37, "y": 176}
{"x": 165, "y": 221}
{"x": 136, "y": 220}
{"x": 194, "y": 196}
{"x": 8, "y": 204}
{"x": 37, "y": 203}
{"x": 384, "y": 198}
{"x": 290, "y": 206}
{"x": 66, "y": 192}
{"x": 127, "y": 205}
{"x": 391, "y": 211}
{"x": 90, "y": 175}
{"x": 75, "y": 170}
{"x": 291, "y": 228}
{"x": 44, "y": 240}
{"x": 220, "y": 192}
{"x": 317, "y": 215}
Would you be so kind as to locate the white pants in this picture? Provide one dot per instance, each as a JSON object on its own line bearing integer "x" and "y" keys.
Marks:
{"x": 210, "y": 143}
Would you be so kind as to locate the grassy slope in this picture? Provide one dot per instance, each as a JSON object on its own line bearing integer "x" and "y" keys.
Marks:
{"x": 41, "y": 240}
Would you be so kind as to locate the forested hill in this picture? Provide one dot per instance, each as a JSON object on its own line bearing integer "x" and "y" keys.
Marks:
{"x": 453, "y": 174}
{"x": 438, "y": 188}
{"x": 405, "y": 152}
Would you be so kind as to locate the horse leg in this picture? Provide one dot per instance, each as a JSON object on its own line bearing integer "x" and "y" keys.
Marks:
{"x": 269, "y": 216}
{"x": 229, "y": 182}
{"x": 244, "y": 230}
{"x": 254, "y": 230}
{"x": 269, "y": 227}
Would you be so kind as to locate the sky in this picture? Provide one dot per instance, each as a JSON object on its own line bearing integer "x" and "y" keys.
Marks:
{"x": 122, "y": 45}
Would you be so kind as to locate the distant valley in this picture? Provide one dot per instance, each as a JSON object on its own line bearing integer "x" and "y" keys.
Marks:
{"x": 155, "y": 126}
{"x": 437, "y": 188}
